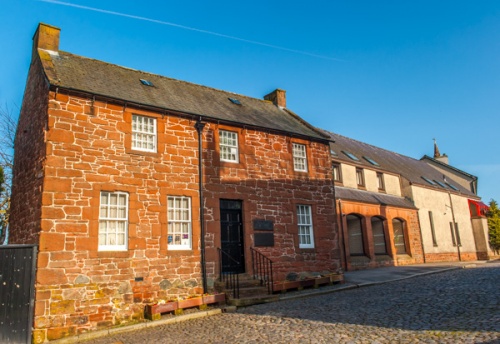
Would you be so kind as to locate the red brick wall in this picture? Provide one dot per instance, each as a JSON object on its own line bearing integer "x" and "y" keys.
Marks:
{"x": 87, "y": 150}
{"x": 265, "y": 181}
{"x": 29, "y": 160}
{"x": 371, "y": 260}
{"x": 88, "y": 147}
{"x": 450, "y": 257}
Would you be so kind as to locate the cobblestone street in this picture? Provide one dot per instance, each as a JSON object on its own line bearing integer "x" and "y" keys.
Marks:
{"x": 458, "y": 306}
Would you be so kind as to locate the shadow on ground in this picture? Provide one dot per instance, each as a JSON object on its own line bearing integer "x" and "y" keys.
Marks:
{"x": 456, "y": 300}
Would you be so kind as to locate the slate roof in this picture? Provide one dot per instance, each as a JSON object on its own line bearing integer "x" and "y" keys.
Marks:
{"x": 409, "y": 168}
{"x": 96, "y": 77}
{"x": 372, "y": 197}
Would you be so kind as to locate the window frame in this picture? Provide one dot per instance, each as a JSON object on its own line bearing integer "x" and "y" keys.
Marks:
{"x": 400, "y": 240}
{"x": 355, "y": 231}
{"x": 135, "y": 132}
{"x": 171, "y": 222}
{"x": 379, "y": 238}
{"x": 224, "y": 137}
{"x": 107, "y": 220}
{"x": 337, "y": 167}
{"x": 360, "y": 177}
{"x": 307, "y": 225}
{"x": 380, "y": 181}
{"x": 299, "y": 153}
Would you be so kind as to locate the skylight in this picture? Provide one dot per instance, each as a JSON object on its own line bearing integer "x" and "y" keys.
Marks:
{"x": 440, "y": 184}
{"x": 332, "y": 152}
{"x": 146, "y": 82}
{"x": 351, "y": 156}
{"x": 371, "y": 161}
{"x": 452, "y": 186}
{"x": 429, "y": 181}
{"x": 234, "y": 101}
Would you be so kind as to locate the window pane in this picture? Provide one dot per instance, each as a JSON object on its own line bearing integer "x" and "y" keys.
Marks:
{"x": 399, "y": 236}
{"x": 179, "y": 222}
{"x": 113, "y": 221}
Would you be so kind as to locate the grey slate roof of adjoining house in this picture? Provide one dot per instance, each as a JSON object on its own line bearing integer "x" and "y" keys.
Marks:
{"x": 372, "y": 197}
{"x": 409, "y": 168}
{"x": 96, "y": 77}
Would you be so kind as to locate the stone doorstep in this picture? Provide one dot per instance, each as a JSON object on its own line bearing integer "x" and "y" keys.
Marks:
{"x": 254, "y": 300}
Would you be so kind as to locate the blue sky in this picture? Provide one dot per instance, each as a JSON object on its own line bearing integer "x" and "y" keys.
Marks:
{"x": 395, "y": 74}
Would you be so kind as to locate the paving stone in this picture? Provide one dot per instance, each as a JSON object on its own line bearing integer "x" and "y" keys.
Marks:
{"x": 457, "y": 306}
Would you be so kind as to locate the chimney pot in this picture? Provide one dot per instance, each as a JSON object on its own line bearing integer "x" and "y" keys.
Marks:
{"x": 278, "y": 97}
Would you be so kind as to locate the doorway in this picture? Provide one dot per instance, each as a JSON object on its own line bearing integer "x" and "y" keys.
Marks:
{"x": 233, "y": 258}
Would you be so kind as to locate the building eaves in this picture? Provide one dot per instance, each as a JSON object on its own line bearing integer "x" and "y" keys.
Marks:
{"x": 369, "y": 197}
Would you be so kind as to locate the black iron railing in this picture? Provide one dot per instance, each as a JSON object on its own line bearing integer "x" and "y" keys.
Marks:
{"x": 231, "y": 279}
{"x": 262, "y": 269}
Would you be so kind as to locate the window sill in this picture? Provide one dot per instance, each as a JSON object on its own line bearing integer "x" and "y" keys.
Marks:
{"x": 141, "y": 153}
{"x": 111, "y": 254}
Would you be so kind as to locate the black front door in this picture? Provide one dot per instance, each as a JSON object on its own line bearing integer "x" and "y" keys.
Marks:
{"x": 233, "y": 259}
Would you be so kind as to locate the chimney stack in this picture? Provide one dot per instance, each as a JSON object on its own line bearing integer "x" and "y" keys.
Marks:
{"x": 46, "y": 37}
{"x": 278, "y": 97}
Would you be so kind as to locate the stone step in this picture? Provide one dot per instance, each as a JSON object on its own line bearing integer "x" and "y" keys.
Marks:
{"x": 253, "y": 300}
{"x": 253, "y": 291}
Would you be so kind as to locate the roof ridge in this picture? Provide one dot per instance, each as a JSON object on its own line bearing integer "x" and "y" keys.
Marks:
{"x": 371, "y": 145}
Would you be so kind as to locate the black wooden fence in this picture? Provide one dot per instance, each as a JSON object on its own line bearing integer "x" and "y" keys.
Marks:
{"x": 17, "y": 282}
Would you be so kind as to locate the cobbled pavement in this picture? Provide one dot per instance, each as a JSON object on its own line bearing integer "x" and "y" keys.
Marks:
{"x": 457, "y": 306}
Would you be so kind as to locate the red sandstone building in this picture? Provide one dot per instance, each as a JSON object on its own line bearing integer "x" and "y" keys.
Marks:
{"x": 107, "y": 184}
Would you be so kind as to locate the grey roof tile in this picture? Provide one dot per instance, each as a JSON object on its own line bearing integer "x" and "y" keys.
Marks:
{"x": 78, "y": 73}
{"x": 372, "y": 197}
{"x": 409, "y": 168}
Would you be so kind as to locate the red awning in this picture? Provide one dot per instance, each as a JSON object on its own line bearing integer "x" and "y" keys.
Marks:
{"x": 477, "y": 208}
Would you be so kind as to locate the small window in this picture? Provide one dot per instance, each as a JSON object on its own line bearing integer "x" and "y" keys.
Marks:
{"x": 452, "y": 231}
{"x": 371, "y": 161}
{"x": 143, "y": 133}
{"x": 304, "y": 221}
{"x": 179, "y": 223}
{"x": 332, "y": 152}
{"x": 234, "y": 101}
{"x": 429, "y": 181}
{"x": 351, "y": 156}
{"x": 360, "y": 178}
{"x": 380, "y": 181}
{"x": 337, "y": 174}
{"x": 433, "y": 233}
{"x": 440, "y": 184}
{"x": 299, "y": 157}
{"x": 146, "y": 82}
{"x": 452, "y": 186}
{"x": 228, "y": 144}
{"x": 113, "y": 221}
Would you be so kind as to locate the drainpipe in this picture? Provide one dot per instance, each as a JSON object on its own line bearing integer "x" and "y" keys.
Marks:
{"x": 457, "y": 235}
{"x": 342, "y": 232}
{"x": 199, "y": 128}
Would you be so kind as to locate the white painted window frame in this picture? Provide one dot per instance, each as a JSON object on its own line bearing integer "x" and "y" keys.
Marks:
{"x": 109, "y": 222}
{"x": 179, "y": 223}
{"x": 144, "y": 135}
